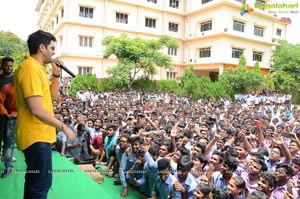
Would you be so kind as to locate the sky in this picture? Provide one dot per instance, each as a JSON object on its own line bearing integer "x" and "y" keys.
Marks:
{"x": 19, "y": 17}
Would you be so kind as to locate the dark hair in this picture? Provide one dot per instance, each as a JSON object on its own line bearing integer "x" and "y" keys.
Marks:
{"x": 137, "y": 139}
{"x": 201, "y": 146}
{"x": 185, "y": 164}
{"x": 271, "y": 127}
{"x": 219, "y": 193}
{"x": 114, "y": 127}
{"x": 163, "y": 164}
{"x": 136, "y": 128}
{"x": 240, "y": 183}
{"x": 271, "y": 178}
{"x": 257, "y": 195}
{"x": 228, "y": 130}
{"x": 205, "y": 189}
{"x": 296, "y": 161}
{"x": 261, "y": 153}
{"x": 279, "y": 149}
{"x": 187, "y": 133}
{"x": 264, "y": 166}
{"x": 141, "y": 151}
{"x": 183, "y": 151}
{"x": 201, "y": 158}
{"x": 288, "y": 168}
{"x": 6, "y": 59}
{"x": 231, "y": 162}
{"x": 220, "y": 154}
{"x": 37, "y": 38}
{"x": 153, "y": 150}
{"x": 126, "y": 136}
{"x": 127, "y": 132}
{"x": 80, "y": 127}
{"x": 167, "y": 143}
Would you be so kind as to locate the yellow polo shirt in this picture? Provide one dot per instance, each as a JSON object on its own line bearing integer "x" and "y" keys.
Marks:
{"x": 31, "y": 79}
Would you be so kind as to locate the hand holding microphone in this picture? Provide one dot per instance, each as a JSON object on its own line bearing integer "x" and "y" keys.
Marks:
{"x": 60, "y": 64}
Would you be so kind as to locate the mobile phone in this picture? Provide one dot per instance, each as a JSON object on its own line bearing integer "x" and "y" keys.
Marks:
{"x": 228, "y": 148}
{"x": 287, "y": 135}
{"x": 257, "y": 123}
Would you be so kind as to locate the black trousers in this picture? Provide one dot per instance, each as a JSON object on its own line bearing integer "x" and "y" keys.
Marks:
{"x": 3, "y": 122}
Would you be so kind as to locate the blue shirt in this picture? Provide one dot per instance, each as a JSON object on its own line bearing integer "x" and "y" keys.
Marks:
{"x": 165, "y": 189}
{"x": 126, "y": 164}
{"x": 219, "y": 181}
{"x": 272, "y": 167}
{"x": 150, "y": 174}
{"x": 77, "y": 150}
{"x": 190, "y": 185}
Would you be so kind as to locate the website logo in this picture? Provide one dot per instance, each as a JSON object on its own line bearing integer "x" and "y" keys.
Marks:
{"x": 245, "y": 8}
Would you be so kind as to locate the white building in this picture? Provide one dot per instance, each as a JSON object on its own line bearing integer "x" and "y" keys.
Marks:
{"x": 212, "y": 33}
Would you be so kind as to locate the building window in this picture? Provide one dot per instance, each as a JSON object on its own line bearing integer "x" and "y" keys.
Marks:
{"x": 174, "y": 3}
{"x": 122, "y": 18}
{"x": 84, "y": 70}
{"x": 172, "y": 51}
{"x": 85, "y": 41}
{"x": 62, "y": 13}
{"x": 204, "y": 52}
{"x": 171, "y": 75}
{"x": 278, "y": 32}
{"x": 151, "y": 23}
{"x": 258, "y": 31}
{"x": 152, "y": 1}
{"x": 206, "y": 1}
{"x": 86, "y": 12}
{"x": 238, "y": 26}
{"x": 205, "y": 26}
{"x": 236, "y": 52}
{"x": 257, "y": 56}
{"x": 173, "y": 27}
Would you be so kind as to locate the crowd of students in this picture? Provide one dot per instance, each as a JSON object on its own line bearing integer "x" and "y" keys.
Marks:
{"x": 174, "y": 147}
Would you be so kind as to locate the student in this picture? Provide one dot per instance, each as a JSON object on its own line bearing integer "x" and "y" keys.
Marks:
{"x": 236, "y": 187}
{"x": 8, "y": 114}
{"x": 164, "y": 183}
{"x": 186, "y": 182}
{"x": 127, "y": 162}
{"x": 202, "y": 192}
{"x": 267, "y": 183}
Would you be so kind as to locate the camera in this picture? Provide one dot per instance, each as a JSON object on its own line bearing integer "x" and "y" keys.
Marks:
{"x": 141, "y": 115}
{"x": 287, "y": 135}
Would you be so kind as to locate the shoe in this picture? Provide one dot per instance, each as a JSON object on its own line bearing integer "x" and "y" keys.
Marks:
{"x": 117, "y": 182}
{"x": 14, "y": 159}
{"x": 6, "y": 172}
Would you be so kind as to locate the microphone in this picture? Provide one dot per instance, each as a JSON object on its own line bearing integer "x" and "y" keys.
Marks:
{"x": 66, "y": 69}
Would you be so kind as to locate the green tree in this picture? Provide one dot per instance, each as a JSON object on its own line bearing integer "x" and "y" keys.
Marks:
{"x": 255, "y": 78}
{"x": 136, "y": 55}
{"x": 286, "y": 67}
{"x": 241, "y": 80}
{"x": 189, "y": 82}
{"x": 268, "y": 82}
{"x": 11, "y": 45}
{"x": 169, "y": 86}
{"x": 88, "y": 81}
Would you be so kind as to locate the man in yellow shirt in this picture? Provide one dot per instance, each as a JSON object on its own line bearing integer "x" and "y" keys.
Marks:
{"x": 35, "y": 129}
